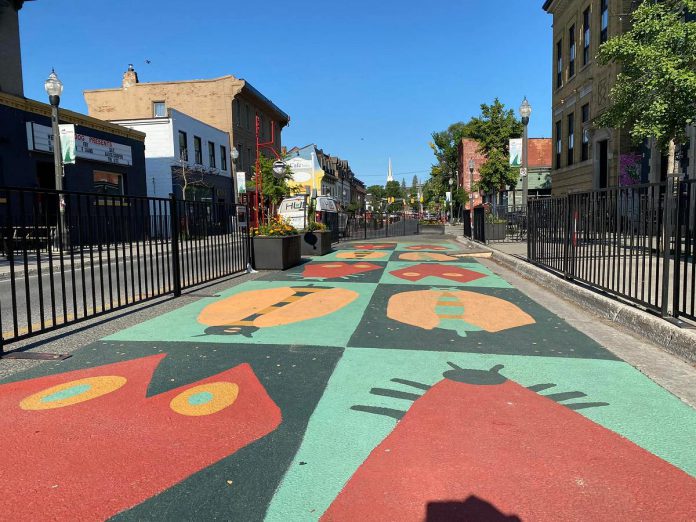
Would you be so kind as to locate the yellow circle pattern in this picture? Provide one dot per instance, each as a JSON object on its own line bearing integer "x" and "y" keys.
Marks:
{"x": 73, "y": 392}
{"x": 205, "y": 399}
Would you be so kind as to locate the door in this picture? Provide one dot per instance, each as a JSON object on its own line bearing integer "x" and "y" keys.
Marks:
{"x": 603, "y": 163}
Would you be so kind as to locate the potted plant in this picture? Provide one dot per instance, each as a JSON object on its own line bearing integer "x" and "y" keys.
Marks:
{"x": 276, "y": 245}
{"x": 495, "y": 227}
{"x": 316, "y": 239}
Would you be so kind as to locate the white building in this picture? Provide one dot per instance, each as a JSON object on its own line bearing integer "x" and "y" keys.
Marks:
{"x": 180, "y": 150}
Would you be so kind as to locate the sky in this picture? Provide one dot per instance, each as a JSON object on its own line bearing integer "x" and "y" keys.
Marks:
{"x": 364, "y": 80}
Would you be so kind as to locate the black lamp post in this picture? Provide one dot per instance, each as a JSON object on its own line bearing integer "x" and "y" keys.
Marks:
{"x": 525, "y": 113}
{"x": 54, "y": 88}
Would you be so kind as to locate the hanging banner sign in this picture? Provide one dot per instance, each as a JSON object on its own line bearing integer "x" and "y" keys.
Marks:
{"x": 67, "y": 143}
{"x": 516, "y": 152}
{"x": 40, "y": 138}
{"x": 241, "y": 182}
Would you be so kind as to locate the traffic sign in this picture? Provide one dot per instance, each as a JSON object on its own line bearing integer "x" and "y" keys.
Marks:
{"x": 523, "y": 172}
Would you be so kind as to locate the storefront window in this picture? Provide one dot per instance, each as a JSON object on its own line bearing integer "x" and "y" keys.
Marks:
{"x": 108, "y": 183}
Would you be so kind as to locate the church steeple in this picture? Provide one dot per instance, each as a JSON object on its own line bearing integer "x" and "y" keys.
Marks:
{"x": 390, "y": 176}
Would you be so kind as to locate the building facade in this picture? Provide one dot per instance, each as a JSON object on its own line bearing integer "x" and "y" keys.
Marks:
{"x": 468, "y": 149}
{"x": 10, "y": 54}
{"x": 109, "y": 158}
{"x": 313, "y": 169}
{"x": 181, "y": 151}
{"x": 584, "y": 157}
{"x": 227, "y": 103}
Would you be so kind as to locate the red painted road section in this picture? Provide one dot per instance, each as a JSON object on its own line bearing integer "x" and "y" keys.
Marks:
{"x": 423, "y": 270}
{"x": 93, "y": 459}
{"x": 522, "y": 453}
{"x": 334, "y": 269}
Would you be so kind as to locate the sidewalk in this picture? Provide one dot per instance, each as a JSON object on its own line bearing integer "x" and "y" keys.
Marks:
{"x": 397, "y": 379}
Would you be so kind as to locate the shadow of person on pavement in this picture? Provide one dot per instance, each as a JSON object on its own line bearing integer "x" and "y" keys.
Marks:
{"x": 473, "y": 509}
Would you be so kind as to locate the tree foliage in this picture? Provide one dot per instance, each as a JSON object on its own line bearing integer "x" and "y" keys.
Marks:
{"x": 655, "y": 92}
{"x": 274, "y": 189}
{"x": 493, "y": 130}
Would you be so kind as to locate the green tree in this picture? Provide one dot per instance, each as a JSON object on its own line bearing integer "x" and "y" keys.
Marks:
{"x": 654, "y": 92}
{"x": 445, "y": 146}
{"x": 274, "y": 188}
{"x": 377, "y": 193}
{"x": 493, "y": 130}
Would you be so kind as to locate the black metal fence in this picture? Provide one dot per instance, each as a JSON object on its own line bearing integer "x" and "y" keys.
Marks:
{"x": 497, "y": 223}
{"x": 377, "y": 225}
{"x": 636, "y": 242}
{"x": 106, "y": 252}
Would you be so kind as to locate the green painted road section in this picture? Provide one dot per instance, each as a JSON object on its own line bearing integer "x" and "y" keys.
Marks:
{"x": 358, "y": 350}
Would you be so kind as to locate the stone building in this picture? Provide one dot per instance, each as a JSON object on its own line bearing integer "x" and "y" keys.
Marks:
{"x": 226, "y": 103}
{"x": 585, "y": 157}
{"x": 10, "y": 55}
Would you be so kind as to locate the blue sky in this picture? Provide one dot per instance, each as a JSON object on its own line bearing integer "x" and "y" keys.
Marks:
{"x": 364, "y": 80}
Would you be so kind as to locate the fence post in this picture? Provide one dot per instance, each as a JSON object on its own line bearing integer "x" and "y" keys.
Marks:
{"x": 666, "y": 243}
{"x": 174, "y": 224}
{"x": 567, "y": 244}
{"x": 676, "y": 287}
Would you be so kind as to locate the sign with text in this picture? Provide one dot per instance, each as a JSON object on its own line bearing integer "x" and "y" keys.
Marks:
{"x": 40, "y": 138}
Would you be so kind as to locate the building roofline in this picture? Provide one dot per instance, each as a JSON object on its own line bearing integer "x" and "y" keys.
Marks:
{"x": 546, "y": 5}
{"x": 68, "y": 116}
{"x": 200, "y": 80}
{"x": 169, "y": 116}
{"x": 255, "y": 92}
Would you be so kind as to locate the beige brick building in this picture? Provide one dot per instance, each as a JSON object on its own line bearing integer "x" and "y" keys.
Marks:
{"x": 227, "y": 103}
{"x": 584, "y": 157}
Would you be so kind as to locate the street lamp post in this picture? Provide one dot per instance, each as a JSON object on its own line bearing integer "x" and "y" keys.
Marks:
{"x": 451, "y": 182}
{"x": 54, "y": 88}
{"x": 525, "y": 113}
{"x": 234, "y": 154}
{"x": 472, "y": 164}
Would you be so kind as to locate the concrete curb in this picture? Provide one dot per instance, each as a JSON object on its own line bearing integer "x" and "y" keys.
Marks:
{"x": 675, "y": 340}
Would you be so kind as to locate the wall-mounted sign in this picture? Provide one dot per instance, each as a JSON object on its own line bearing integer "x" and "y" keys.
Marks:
{"x": 40, "y": 138}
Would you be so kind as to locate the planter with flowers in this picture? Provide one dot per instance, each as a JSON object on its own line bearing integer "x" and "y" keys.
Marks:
{"x": 277, "y": 245}
{"x": 316, "y": 239}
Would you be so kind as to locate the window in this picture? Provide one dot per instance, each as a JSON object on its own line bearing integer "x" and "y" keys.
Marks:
{"x": 249, "y": 158}
{"x": 237, "y": 113}
{"x": 571, "y": 138}
{"x": 559, "y": 64}
{"x": 248, "y": 115}
{"x": 586, "y": 36}
{"x": 108, "y": 183}
{"x": 159, "y": 109}
{"x": 571, "y": 51}
{"x": 585, "y": 152}
{"x": 183, "y": 146}
{"x": 558, "y": 144}
{"x": 223, "y": 157}
{"x": 211, "y": 154}
{"x": 197, "y": 152}
{"x": 603, "y": 21}
{"x": 240, "y": 158}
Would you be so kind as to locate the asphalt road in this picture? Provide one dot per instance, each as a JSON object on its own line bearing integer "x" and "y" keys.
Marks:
{"x": 83, "y": 287}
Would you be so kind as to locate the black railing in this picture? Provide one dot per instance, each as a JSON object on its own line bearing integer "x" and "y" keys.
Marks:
{"x": 373, "y": 225}
{"x": 466, "y": 221}
{"x": 498, "y": 223}
{"x": 106, "y": 252}
{"x": 635, "y": 242}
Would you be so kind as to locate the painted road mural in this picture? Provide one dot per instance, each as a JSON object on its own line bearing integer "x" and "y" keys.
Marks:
{"x": 384, "y": 381}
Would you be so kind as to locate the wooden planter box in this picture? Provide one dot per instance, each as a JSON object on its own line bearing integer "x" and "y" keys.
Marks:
{"x": 431, "y": 229}
{"x": 496, "y": 231}
{"x": 277, "y": 253}
{"x": 316, "y": 243}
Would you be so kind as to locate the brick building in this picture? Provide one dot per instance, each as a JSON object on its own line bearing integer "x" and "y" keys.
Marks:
{"x": 227, "y": 103}
{"x": 539, "y": 171}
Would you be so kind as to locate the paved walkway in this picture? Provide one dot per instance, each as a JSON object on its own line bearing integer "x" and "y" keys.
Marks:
{"x": 385, "y": 381}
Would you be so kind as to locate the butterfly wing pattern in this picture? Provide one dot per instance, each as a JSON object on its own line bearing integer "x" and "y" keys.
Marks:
{"x": 89, "y": 444}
